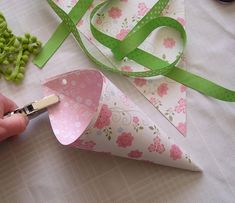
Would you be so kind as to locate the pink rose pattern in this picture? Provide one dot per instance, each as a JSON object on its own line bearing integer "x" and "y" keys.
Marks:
{"x": 135, "y": 154}
{"x": 181, "y": 107}
{"x": 162, "y": 93}
{"x": 125, "y": 140}
{"x": 122, "y": 34}
{"x": 142, "y": 9}
{"x": 182, "y": 128}
{"x": 175, "y": 152}
{"x": 162, "y": 89}
{"x": 104, "y": 117}
{"x": 169, "y": 43}
{"x": 115, "y": 12}
{"x": 156, "y": 146}
{"x": 146, "y": 89}
{"x": 136, "y": 120}
{"x": 140, "y": 81}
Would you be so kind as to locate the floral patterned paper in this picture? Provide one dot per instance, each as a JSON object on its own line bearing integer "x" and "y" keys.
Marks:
{"x": 93, "y": 114}
{"x": 116, "y": 20}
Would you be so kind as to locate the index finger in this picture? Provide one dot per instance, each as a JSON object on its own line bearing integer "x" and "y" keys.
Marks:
{"x": 6, "y": 105}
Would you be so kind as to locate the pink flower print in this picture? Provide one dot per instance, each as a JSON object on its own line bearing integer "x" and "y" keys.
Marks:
{"x": 182, "y": 128}
{"x": 152, "y": 148}
{"x": 104, "y": 117}
{"x": 142, "y": 9}
{"x": 162, "y": 89}
{"x": 140, "y": 81}
{"x": 124, "y": 140}
{"x": 159, "y": 147}
{"x": 102, "y": 122}
{"x": 80, "y": 23}
{"x": 142, "y": 6}
{"x": 181, "y": 21}
{"x": 126, "y": 68}
{"x": 122, "y": 34}
{"x": 156, "y": 146}
{"x": 88, "y": 145}
{"x": 115, "y": 12}
{"x": 175, "y": 152}
{"x": 106, "y": 111}
{"x": 183, "y": 88}
{"x": 181, "y": 107}
{"x": 135, "y": 119}
{"x": 135, "y": 154}
{"x": 169, "y": 43}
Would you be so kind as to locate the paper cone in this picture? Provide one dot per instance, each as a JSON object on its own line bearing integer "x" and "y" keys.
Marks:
{"x": 94, "y": 114}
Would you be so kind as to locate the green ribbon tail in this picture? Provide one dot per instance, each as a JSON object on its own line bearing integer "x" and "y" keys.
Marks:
{"x": 202, "y": 85}
{"x": 61, "y": 33}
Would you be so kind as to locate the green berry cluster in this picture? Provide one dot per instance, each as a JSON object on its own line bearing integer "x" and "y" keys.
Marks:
{"x": 15, "y": 52}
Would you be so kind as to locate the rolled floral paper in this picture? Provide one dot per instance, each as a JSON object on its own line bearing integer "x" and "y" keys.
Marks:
{"x": 93, "y": 114}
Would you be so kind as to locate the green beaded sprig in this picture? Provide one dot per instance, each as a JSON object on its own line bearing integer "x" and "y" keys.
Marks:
{"x": 15, "y": 52}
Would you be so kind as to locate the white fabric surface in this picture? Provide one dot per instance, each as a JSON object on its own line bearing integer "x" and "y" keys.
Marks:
{"x": 36, "y": 168}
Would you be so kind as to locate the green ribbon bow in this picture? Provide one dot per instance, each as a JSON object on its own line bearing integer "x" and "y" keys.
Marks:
{"x": 128, "y": 47}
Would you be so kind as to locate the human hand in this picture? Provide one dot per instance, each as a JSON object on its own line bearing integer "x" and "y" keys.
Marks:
{"x": 12, "y": 125}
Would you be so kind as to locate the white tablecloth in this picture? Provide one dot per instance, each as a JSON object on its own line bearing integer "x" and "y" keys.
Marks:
{"x": 34, "y": 167}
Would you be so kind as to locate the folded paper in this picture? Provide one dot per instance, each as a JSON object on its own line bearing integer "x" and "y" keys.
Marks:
{"x": 93, "y": 114}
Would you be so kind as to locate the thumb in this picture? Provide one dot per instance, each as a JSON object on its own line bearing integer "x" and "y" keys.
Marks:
{"x": 13, "y": 125}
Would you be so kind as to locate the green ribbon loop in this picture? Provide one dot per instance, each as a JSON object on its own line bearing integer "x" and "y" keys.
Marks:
{"x": 129, "y": 47}
{"x": 156, "y": 65}
{"x": 131, "y": 42}
{"x": 61, "y": 32}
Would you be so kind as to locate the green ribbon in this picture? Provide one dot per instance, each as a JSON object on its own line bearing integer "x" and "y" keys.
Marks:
{"x": 128, "y": 47}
